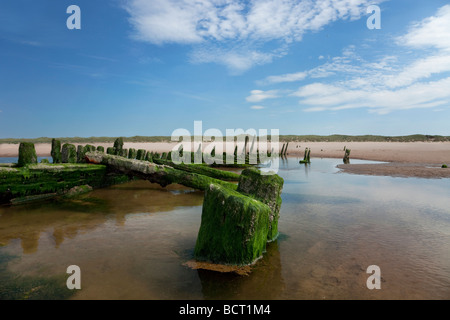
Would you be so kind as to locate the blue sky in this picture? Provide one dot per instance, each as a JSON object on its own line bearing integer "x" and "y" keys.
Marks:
{"x": 148, "y": 67}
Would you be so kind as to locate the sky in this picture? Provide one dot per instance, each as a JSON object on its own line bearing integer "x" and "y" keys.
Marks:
{"x": 149, "y": 67}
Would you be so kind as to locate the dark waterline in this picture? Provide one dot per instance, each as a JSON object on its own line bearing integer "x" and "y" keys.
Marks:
{"x": 131, "y": 240}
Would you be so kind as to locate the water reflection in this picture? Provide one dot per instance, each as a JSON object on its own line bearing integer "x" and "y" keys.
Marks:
{"x": 265, "y": 282}
{"x": 132, "y": 240}
{"x": 67, "y": 218}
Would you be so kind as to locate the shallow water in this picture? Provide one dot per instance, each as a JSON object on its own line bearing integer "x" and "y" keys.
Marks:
{"x": 131, "y": 241}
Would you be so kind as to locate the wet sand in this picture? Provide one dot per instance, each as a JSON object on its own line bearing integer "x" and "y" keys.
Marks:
{"x": 405, "y": 159}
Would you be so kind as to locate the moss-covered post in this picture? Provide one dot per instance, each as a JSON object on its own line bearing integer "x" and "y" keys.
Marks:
{"x": 267, "y": 189}
{"x": 118, "y": 145}
{"x": 124, "y": 153}
{"x": 56, "y": 151}
{"x": 69, "y": 153}
{"x": 101, "y": 149}
{"x": 306, "y": 157}
{"x": 111, "y": 151}
{"x": 233, "y": 229}
{"x": 140, "y": 155}
{"x": 80, "y": 154}
{"x": 148, "y": 157}
{"x": 27, "y": 154}
{"x": 347, "y": 156}
{"x": 132, "y": 153}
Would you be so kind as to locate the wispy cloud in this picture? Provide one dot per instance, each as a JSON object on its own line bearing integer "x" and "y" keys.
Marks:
{"x": 215, "y": 25}
{"x": 321, "y": 97}
{"x": 430, "y": 32}
{"x": 257, "y": 107}
{"x": 388, "y": 83}
{"x": 259, "y": 95}
{"x": 237, "y": 58}
{"x": 289, "y": 77}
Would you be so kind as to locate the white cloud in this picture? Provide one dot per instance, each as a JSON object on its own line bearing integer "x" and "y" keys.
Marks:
{"x": 237, "y": 59}
{"x": 186, "y": 21}
{"x": 414, "y": 79}
{"x": 430, "y": 32}
{"x": 419, "y": 69}
{"x": 289, "y": 77}
{"x": 259, "y": 95}
{"x": 234, "y": 22}
{"x": 345, "y": 63}
{"x": 257, "y": 107}
{"x": 321, "y": 97}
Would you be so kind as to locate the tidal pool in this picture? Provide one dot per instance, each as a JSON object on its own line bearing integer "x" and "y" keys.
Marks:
{"x": 131, "y": 241}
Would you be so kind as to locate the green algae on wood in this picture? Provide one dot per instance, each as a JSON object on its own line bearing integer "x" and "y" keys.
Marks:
{"x": 56, "y": 151}
{"x": 124, "y": 153}
{"x": 267, "y": 189}
{"x": 201, "y": 169}
{"x": 233, "y": 229}
{"x": 161, "y": 174}
{"x": 80, "y": 158}
{"x": 148, "y": 157}
{"x": 306, "y": 157}
{"x": 111, "y": 150}
{"x": 82, "y": 152}
{"x": 346, "y": 158}
{"x": 40, "y": 179}
{"x": 118, "y": 145}
{"x": 132, "y": 153}
{"x": 140, "y": 154}
{"x": 27, "y": 154}
{"x": 69, "y": 153}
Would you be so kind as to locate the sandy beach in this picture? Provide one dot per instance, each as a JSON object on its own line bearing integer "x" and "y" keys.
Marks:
{"x": 404, "y": 159}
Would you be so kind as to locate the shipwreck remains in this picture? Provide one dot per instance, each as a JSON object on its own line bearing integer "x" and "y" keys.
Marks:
{"x": 238, "y": 220}
{"x": 346, "y": 158}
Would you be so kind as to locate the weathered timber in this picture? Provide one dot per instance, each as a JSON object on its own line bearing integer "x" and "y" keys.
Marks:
{"x": 56, "y": 151}
{"x": 346, "y": 158}
{"x": 201, "y": 169}
{"x": 68, "y": 153}
{"x": 233, "y": 229}
{"x": 132, "y": 153}
{"x": 161, "y": 174}
{"x": 140, "y": 155}
{"x": 33, "y": 181}
{"x": 27, "y": 154}
{"x": 306, "y": 157}
{"x": 118, "y": 146}
{"x": 267, "y": 189}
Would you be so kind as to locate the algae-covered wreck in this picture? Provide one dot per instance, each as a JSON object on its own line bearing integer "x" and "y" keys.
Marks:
{"x": 237, "y": 219}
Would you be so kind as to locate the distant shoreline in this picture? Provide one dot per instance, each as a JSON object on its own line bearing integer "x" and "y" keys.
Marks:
{"x": 282, "y": 139}
{"x": 412, "y": 159}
